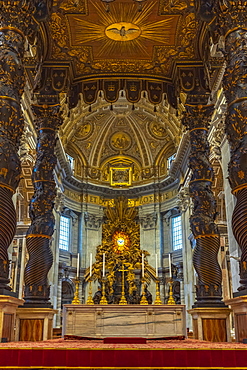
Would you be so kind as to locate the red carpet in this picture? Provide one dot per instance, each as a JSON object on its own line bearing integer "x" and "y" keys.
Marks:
{"x": 125, "y": 340}
{"x": 171, "y": 354}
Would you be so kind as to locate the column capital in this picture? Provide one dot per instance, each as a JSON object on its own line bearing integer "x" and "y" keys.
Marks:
{"x": 47, "y": 116}
{"x": 197, "y": 116}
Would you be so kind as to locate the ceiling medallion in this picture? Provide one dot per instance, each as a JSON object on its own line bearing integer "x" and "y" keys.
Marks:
{"x": 120, "y": 141}
{"x": 122, "y": 31}
{"x": 84, "y": 131}
{"x": 157, "y": 130}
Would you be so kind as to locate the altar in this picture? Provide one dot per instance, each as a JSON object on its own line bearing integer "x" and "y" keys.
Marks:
{"x": 101, "y": 321}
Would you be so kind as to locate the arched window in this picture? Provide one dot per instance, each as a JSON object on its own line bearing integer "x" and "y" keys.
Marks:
{"x": 71, "y": 161}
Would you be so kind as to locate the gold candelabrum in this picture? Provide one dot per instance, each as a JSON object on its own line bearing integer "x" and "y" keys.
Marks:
{"x": 123, "y": 300}
{"x": 143, "y": 300}
{"x": 171, "y": 299}
{"x": 76, "y": 299}
{"x": 103, "y": 297}
{"x": 157, "y": 298}
{"x": 90, "y": 298}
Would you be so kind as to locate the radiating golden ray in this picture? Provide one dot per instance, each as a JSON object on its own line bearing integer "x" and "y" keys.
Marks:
{"x": 88, "y": 32}
{"x": 123, "y": 49}
{"x": 141, "y": 17}
{"x": 157, "y": 31}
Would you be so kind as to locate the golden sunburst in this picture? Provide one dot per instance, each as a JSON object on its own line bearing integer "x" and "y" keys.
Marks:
{"x": 124, "y": 32}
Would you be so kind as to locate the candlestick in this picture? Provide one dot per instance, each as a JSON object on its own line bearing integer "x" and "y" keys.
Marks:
{"x": 103, "y": 272}
{"x": 78, "y": 265}
{"x": 90, "y": 263}
{"x": 157, "y": 299}
{"x": 143, "y": 300}
{"x": 103, "y": 297}
{"x": 90, "y": 298}
{"x": 76, "y": 299}
{"x": 123, "y": 299}
{"x": 170, "y": 266}
{"x": 171, "y": 299}
{"x": 142, "y": 265}
{"x": 156, "y": 264}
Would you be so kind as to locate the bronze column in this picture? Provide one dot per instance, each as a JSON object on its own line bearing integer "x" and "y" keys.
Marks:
{"x": 39, "y": 234}
{"x": 16, "y": 23}
{"x": 202, "y": 221}
{"x": 228, "y": 19}
{"x": 233, "y": 23}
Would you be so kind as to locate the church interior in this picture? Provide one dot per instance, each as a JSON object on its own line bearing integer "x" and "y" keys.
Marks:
{"x": 123, "y": 170}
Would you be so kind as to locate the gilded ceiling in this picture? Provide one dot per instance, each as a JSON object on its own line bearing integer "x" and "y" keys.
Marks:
{"x": 121, "y": 63}
{"x": 123, "y": 40}
{"x": 131, "y": 144}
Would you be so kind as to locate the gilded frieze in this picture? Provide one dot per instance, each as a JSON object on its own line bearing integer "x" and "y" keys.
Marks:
{"x": 135, "y": 202}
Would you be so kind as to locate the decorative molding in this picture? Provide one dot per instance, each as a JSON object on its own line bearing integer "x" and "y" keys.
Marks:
{"x": 92, "y": 221}
{"x": 149, "y": 221}
{"x": 183, "y": 200}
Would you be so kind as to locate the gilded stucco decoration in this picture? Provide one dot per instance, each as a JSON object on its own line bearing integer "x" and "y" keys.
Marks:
{"x": 121, "y": 247}
{"x": 124, "y": 39}
{"x": 131, "y": 145}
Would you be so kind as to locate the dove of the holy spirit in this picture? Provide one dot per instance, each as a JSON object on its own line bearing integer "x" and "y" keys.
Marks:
{"x": 122, "y": 31}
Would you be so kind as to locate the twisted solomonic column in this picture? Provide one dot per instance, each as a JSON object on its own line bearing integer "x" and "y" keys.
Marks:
{"x": 202, "y": 220}
{"x": 16, "y": 23}
{"x": 39, "y": 234}
{"x": 232, "y": 21}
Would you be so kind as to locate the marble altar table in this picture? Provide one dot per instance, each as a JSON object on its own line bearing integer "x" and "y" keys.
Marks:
{"x": 101, "y": 321}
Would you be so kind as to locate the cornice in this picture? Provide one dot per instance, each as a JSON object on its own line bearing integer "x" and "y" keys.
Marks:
{"x": 172, "y": 180}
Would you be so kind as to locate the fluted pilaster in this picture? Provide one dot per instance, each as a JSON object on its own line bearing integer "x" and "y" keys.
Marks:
{"x": 39, "y": 234}
{"x": 202, "y": 220}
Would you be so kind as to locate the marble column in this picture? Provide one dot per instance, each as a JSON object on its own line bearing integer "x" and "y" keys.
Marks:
{"x": 202, "y": 221}
{"x": 37, "y": 290}
{"x": 17, "y": 23}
